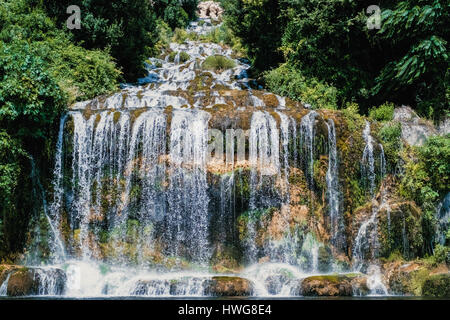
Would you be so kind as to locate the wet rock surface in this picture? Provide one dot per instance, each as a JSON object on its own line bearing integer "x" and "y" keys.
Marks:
{"x": 228, "y": 287}
{"x": 415, "y": 130}
{"x": 333, "y": 285}
{"x": 36, "y": 281}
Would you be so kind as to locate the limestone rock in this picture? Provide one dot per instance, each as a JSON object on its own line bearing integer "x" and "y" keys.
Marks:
{"x": 36, "y": 281}
{"x": 210, "y": 10}
{"x": 334, "y": 285}
{"x": 228, "y": 287}
{"x": 415, "y": 130}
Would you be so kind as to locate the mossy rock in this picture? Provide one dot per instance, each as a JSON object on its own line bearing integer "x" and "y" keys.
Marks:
{"x": 405, "y": 278}
{"x": 34, "y": 281}
{"x": 437, "y": 286}
{"x": 228, "y": 287}
{"x": 400, "y": 229}
{"x": 182, "y": 55}
{"x": 333, "y": 285}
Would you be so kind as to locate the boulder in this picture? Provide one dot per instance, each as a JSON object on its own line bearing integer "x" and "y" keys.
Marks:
{"x": 36, "y": 281}
{"x": 210, "y": 10}
{"x": 228, "y": 287}
{"x": 405, "y": 278}
{"x": 415, "y": 130}
{"x": 400, "y": 228}
{"x": 334, "y": 285}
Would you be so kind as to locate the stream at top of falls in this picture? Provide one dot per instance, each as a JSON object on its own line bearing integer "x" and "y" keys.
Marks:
{"x": 115, "y": 160}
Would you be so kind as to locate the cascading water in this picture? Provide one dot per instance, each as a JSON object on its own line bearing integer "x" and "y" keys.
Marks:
{"x": 81, "y": 179}
{"x": 368, "y": 160}
{"x": 307, "y": 144}
{"x": 443, "y": 219}
{"x": 366, "y": 244}
{"x": 56, "y": 246}
{"x": 4, "y": 286}
{"x": 332, "y": 179}
{"x": 188, "y": 199}
{"x": 264, "y": 162}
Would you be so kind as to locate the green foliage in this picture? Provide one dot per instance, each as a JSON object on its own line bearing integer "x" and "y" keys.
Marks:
{"x": 390, "y": 134}
{"x": 29, "y": 95}
{"x": 289, "y": 82}
{"x": 405, "y": 62}
{"x": 351, "y": 113}
{"x": 164, "y": 37}
{"x": 413, "y": 33}
{"x": 224, "y": 35}
{"x": 425, "y": 180}
{"x": 126, "y": 27}
{"x": 218, "y": 63}
{"x": 41, "y": 71}
{"x": 385, "y": 112}
{"x": 183, "y": 56}
{"x": 175, "y": 15}
{"x": 258, "y": 24}
{"x": 435, "y": 155}
{"x": 441, "y": 254}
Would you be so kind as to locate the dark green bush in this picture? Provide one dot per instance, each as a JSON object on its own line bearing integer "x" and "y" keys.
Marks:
{"x": 289, "y": 82}
{"x": 385, "y": 112}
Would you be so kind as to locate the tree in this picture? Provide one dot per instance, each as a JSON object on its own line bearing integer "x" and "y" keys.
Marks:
{"x": 126, "y": 27}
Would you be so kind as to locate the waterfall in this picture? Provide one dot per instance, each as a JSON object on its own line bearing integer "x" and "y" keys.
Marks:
{"x": 144, "y": 166}
{"x": 368, "y": 161}
{"x": 374, "y": 281}
{"x": 56, "y": 245}
{"x": 366, "y": 245}
{"x": 382, "y": 162}
{"x": 82, "y": 178}
{"x": 188, "y": 198}
{"x": 307, "y": 144}
{"x": 227, "y": 212}
{"x": 443, "y": 219}
{"x": 366, "y": 241}
{"x": 332, "y": 179}
{"x": 4, "y": 286}
{"x": 284, "y": 129}
{"x": 264, "y": 162}
{"x": 142, "y": 211}
{"x": 58, "y": 192}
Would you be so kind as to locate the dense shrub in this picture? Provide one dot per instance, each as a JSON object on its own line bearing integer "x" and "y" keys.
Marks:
{"x": 126, "y": 27}
{"x": 41, "y": 71}
{"x": 385, "y": 112}
{"x": 390, "y": 134}
{"x": 289, "y": 82}
{"x": 175, "y": 15}
{"x": 405, "y": 62}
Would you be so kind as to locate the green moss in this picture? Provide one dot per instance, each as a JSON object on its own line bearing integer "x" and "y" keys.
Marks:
{"x": 437, "y": 286}
{"x": 116, "y": 116}
{"x": 183, "y": 56}
{"x": 333, "y": 278}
